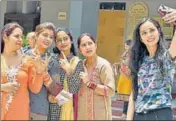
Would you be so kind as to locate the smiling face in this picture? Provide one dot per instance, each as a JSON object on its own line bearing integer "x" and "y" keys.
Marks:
{"x": 149, "y": 34}
{"x": 63, "y": 41}
{"x": 45, "y": 38}
{"x": 14, "y": 40}
{"x": 87, "y": 46}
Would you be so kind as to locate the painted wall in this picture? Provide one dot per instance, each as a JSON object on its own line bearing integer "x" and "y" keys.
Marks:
{"x": 90, "y": 16}
{"x": 11, "y": 7}
{"x": 2, "y": 11}
{"x": 75, "y": 19}
{"x": 82, "y": 15}
{"x": 50, "y": 10}
{"x": 31, "y": 6}
{"x": 90, "y": 11}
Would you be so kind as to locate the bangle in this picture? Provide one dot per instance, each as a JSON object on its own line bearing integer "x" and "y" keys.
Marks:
{"x": 92, "y": 85}
{"x": 174, "y": 58}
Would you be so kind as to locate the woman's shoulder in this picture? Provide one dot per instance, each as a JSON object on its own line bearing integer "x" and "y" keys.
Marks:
{"x": 103, "y": 61}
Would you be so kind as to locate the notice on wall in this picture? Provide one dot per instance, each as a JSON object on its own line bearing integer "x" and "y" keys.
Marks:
{"x": 136, "y": 12}
{"x": 62, "y": 15}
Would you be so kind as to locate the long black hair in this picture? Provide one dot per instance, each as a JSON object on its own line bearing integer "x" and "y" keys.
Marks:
{"x": 56, "y": 50}
{"x": 7, "y": 30}
{"x": 139, "y": 51}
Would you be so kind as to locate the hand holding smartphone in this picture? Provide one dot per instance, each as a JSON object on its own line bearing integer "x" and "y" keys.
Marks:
{"x": 163, "y": 10}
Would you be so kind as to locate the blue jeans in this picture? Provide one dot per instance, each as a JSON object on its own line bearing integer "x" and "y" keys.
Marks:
{"x": 157, "y": 114}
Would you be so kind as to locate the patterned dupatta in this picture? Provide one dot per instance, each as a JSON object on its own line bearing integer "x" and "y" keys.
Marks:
{"x": 59, "y": 75}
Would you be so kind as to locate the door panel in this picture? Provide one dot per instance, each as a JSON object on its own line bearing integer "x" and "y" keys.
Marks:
{"x": 110, "y": 34}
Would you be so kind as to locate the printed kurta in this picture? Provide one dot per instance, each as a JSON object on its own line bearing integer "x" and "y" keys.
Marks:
{"x": 19, "y": 108}
{"x": 100, "y": 104}
{"x": 73, "y": 83}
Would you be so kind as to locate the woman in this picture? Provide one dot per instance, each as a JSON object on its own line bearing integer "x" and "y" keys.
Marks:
{"x": 98, "y": 84}
{"x": 152, "y": 69}
{"x": 39, "y": 104}
{"x": 19, "y": 74}
{"x": 124, "y": 84}
{"x": 64, "y": 70}
{"x": 31, "y": 41}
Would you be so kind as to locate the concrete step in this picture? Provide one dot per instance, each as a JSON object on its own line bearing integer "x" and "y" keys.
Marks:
{"x": 118, "y": 104}
{"x": 117, "y": 118}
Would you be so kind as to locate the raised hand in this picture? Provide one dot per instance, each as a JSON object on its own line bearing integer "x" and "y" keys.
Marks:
{"x": 84, "y": 75}
{"x": 27, "y": 58}
{"x": 63, "y": 62}
{"x": 39, "y": 63}
{"x": 170, "y": 17}
{"x": 10, "y": 87}
{"x": 42, "y": 64}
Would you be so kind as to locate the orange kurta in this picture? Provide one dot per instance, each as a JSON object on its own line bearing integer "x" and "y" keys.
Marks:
{"x": 19, "y": 108}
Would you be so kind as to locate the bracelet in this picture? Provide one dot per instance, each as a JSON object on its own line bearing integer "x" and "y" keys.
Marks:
{"x": 92, "y": 85}
{"x": 174, "y": 58}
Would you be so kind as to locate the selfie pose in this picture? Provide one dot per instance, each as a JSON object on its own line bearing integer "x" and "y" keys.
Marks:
{"x": 152, "y": 68}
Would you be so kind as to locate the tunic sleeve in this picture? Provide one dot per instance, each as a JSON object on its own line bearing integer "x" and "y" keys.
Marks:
{"x": 107, "y": 78}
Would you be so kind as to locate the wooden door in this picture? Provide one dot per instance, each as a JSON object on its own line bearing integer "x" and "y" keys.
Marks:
{"x": 110, "y": 34}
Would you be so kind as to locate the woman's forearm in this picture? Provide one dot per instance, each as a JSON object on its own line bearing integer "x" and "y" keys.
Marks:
{"x": 130, "y": 112}
{"x": 172, "y": 49}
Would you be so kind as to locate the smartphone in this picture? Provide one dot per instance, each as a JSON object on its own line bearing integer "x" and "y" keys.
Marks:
{"x": 163, "y": 10}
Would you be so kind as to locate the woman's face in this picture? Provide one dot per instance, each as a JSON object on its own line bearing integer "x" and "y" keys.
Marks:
{"x": 63, "y": 41}
{"x": 149, "y": 34}
{"x": 127, "y": 47}
{"x": 87, "y": 46}
{"x": 14, "y": 40}
{"x": 45, "y": 38}
{"x": 31, "y": 39}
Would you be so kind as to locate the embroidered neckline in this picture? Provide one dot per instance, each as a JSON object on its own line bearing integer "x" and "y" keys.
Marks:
{"x": 11, "y": 74}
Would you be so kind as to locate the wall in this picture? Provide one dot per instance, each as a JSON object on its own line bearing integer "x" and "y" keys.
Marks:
{"x": 75, "y": 19}
{"x": 2, "y": 11}
{"x": 152, "y": 5}
{"x": 31, "y": 6}
{"x": 90, "y": 17}
{"x": 11, "y": 6}
{"x": 50, "y": 10}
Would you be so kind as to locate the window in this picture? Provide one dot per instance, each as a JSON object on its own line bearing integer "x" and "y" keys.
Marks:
{"x": 113, "y": 5}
